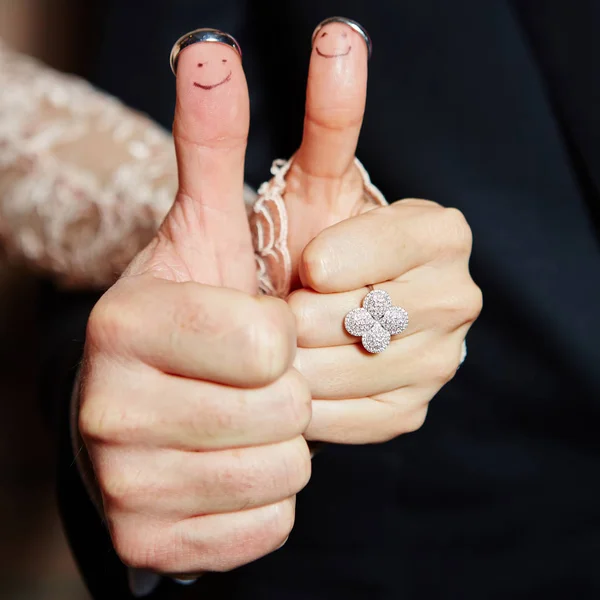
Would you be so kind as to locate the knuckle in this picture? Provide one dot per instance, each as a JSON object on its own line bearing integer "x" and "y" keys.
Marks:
{"x": 414, "y": 421}
{"x": 102, "y": 421}
{"x": 139, "y": 547}
{"x": 280, "y": 524}
{"x": 130, "y": 548}
{"x": 296, "y": 467}
{"x": 333, "y": 117}
{"x": 117, "y": 487}
{"x": 93, "y": 417}
{"x": 299, "y": 401}
{"x": 126, "y": 483}
{"x": 268, "y": 533}
{"x": 389, "y": 431}
{"x": 464, "y": 307}
{"x": 268, "y": 336}
{"x": 300, "y": 306}
{"x": 475, "y": 303}
{"x": 316, "y": 264}
{"x": 441, "y": 367}
{"x": 403, "y": 422}
{"x": 456, "y": 227}
{"x": 109, "y": 322}
{"x": 394, "y": 425}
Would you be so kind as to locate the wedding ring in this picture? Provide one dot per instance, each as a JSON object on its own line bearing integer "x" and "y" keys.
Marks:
{"x": 352, "y": 24}
{"x": 201, "y": 35}
{"x": 377, "y": 321}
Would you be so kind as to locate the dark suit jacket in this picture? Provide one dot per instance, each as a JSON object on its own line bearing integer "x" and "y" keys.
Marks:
{"x": 491, "y": 107}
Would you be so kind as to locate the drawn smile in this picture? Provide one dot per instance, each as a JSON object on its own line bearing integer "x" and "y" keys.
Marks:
{"x": 214, "y": 85}
{"x": 333, "y": 55}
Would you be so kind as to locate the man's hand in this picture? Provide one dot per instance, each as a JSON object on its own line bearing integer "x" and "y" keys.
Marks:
{"x": 191, "y": 412}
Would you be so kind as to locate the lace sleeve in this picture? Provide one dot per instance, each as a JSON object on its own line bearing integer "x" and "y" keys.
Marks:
{"x": 84, "y": 181}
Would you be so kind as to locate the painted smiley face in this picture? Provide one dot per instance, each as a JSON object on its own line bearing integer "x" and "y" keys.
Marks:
{"x": 333, "y": 41}
{"x": 213, "y": 72}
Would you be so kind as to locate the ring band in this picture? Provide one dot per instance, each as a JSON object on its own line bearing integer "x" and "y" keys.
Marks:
{"x": 352, "y": 24}
{"x": 201, "y": 35}
{"x": 377, "y": 321}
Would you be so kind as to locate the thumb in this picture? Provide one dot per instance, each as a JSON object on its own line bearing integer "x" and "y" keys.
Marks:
{"x": 206, "y": 237}
{"x": 323, "y": 185}
{"x": 335, "y": 98}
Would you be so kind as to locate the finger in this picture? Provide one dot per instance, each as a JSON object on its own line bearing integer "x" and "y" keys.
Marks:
{"x": 181, "y": 485}
{"x": 383, "y": 244}
{"x": 194, "y": 330}
{"x": 208, "y": 221}
{"x": 198, "y": 416}
{"x": 435, "y": 299}
{"x": 215, "y": 543}
{"x": 335, "y": 100}
{"x": 370, "y": 420}
{"x": 346, "y": 372}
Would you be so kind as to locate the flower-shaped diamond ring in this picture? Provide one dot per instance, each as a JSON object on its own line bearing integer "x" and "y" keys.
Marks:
{"x": 376, "y": 321}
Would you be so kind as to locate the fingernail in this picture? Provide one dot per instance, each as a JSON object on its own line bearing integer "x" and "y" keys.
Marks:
{"x": 333, "y": 51}
{"x": 198, "y": 36}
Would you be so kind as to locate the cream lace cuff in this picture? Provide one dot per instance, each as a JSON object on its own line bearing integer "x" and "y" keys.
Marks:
{"x": 269, "y": 224}
{"x": 84, "y": 180}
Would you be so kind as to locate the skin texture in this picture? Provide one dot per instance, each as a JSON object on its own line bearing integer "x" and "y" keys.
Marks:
{"x": 197, "y": 395}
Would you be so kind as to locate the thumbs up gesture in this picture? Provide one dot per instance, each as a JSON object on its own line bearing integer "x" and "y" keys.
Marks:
{"x": 340, "y": 240}
{"x": 197, "y": 394}
{"x": 191, "y": 411}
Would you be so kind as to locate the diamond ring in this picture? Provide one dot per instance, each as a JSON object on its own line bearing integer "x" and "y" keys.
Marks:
{"x": 376, "y": 321}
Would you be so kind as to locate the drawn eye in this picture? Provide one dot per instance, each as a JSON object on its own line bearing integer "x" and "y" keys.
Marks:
{"x": 324, "y": 34}
{"x": 200, "y": 64}
{"x": 224, "y": 60}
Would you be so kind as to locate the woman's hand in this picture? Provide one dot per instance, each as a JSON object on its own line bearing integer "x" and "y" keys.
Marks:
{"x": 418, "y": 252}
{"x": 340, "y": 242}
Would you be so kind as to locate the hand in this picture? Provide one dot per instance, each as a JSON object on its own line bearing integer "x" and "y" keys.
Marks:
{"x": 191, "y": 412}
{"x": 339, "y": 244}
{"x": 420, "y": 252}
